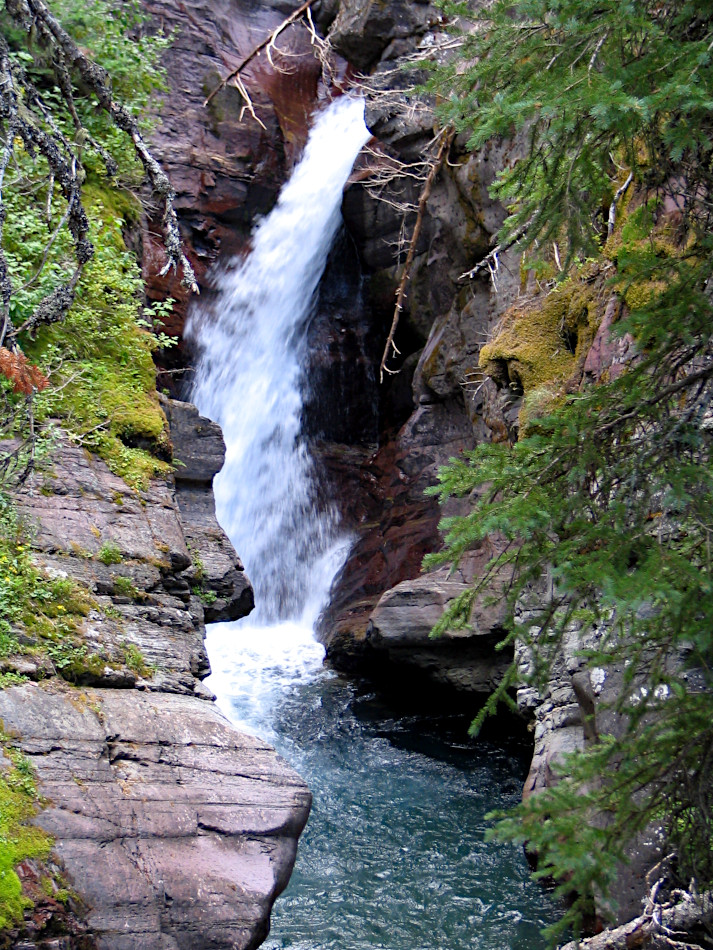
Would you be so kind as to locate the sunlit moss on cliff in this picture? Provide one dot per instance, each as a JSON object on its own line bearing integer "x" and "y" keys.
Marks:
{"x": 99, "y": 359}
{"x": 539, "y": 344}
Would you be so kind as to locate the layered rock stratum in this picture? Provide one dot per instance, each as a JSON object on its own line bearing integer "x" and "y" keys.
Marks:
{"x": 174, "y": 829}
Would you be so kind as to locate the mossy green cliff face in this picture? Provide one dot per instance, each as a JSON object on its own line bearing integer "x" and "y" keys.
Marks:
{"x": 102, "y": 379}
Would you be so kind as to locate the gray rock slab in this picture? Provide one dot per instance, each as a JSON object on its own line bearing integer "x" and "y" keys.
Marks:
{"x": 176, "y": 830}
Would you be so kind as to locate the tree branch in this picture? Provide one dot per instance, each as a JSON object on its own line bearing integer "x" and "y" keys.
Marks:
{"x": 490, "y": 261}
{"x": 660, "y": 922}
{"x": 615, "y": 202}
{"x": 447, "y": 136}
{"x": 268, "y": 41}
{"x": 97, "y": 79}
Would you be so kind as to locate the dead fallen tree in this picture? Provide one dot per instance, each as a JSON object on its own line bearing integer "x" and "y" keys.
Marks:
{"x": 663, "y": 925}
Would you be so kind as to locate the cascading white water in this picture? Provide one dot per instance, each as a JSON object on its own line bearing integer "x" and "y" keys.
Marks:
{"x": 393, "y": 853}
{"x": 249, "y": 379}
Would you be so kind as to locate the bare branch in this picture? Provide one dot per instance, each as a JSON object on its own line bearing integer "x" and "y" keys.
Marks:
{"x": 447, "y": 135}
{"x": 615, "y": 202}
{"x": 490, "y": 261}
{"x": 97, "y": 79}
{"x": 663, "y": 923}
{"x": 267, "y": 44}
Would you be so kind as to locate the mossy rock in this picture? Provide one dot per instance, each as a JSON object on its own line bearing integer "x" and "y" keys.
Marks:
{"x": 540, "y": 344}
{"x": 18, "y": 804}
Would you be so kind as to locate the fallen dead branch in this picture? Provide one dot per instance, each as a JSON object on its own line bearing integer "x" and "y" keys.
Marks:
{"x": 668, "y": 924}
{"x": 267, "y": 44}
{"x": 447, "y": 135}
{"x": 491, "y": 261}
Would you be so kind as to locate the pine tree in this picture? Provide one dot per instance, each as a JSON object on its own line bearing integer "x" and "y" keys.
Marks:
{"x": 609, "y": 488}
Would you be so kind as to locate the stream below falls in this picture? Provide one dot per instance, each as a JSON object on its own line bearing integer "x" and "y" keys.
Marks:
{"x": 393, "y": 856}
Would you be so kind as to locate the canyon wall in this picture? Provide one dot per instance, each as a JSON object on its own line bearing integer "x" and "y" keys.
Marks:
{"x": 172, "y": 829}
{"x": 385, "y": 444}
{"x": 197, "y": 825}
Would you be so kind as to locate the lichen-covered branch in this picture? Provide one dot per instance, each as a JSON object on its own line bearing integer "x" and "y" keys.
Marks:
{"x": 26, "y": 116}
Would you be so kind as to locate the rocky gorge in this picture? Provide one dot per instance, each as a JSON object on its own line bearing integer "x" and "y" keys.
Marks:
{"x": 174, "y": 829}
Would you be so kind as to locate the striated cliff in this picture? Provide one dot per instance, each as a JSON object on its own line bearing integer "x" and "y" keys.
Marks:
{"x": 172, "y": 829}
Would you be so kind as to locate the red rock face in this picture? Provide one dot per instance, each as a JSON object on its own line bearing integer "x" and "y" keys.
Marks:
{"x": 395, "y": 522}
{"x": 225, "y": 165}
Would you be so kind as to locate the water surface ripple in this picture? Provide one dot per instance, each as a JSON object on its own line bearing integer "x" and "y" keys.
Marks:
{"x": 394, "y": 855}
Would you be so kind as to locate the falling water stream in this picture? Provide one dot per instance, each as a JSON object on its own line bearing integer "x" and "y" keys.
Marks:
{"x": 393, "y": 856}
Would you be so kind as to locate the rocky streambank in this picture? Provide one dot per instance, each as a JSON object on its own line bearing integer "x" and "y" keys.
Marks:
{"x": 172, "y": 829}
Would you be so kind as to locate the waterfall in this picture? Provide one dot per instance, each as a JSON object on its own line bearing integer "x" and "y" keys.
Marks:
{"x": 250, "y": 380}
{"x": 393, "y": 855}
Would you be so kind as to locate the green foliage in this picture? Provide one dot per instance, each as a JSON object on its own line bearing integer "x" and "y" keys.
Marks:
{"x": 110, "y": 554}
{"x": 125, "y": 588}
{"x": 99, "y": 359}
{"x": 18, "y": 841}
{"x": 30, "y": 601}
{"x": 11, "y": 679}
{"x": 584, "y": 80}
{"x": 609, "y": 492}
{"x": 207, "y": 597}
{"x": 114, "y": 34}
{"x": 134, "y": 659}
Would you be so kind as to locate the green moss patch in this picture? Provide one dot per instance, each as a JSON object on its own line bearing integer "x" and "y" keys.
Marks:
{"x": 19, "y": 841}
{"x": 40, "y": 616}
{"x": 540, "y": 344}
{"x": 102, "y": 379}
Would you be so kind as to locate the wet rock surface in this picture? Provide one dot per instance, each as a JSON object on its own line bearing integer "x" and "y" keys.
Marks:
{"x": 174, "y": 830}
{"x": 225, "y": 165}
{"x": 439, "y": 404}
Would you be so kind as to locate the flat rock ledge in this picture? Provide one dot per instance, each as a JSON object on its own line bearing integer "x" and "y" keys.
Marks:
{"x": 176, "y": 831}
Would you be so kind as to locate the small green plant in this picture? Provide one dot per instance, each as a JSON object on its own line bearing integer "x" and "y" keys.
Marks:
{"x": 110, "y": 553}
{"x": 73, "y": 659}
{"x": 198, "y": 567}
{"x": 134, "y": 659}
{"x": 126, "y": 588}
{"x": 50, "y": 608}
{"x": 11, "y": 679}
{"x": 208, "y": 597}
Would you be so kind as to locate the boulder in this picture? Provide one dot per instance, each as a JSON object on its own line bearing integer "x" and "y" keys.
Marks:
{"x": 463, "y": 660}
{"x": 177, "y": 831}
